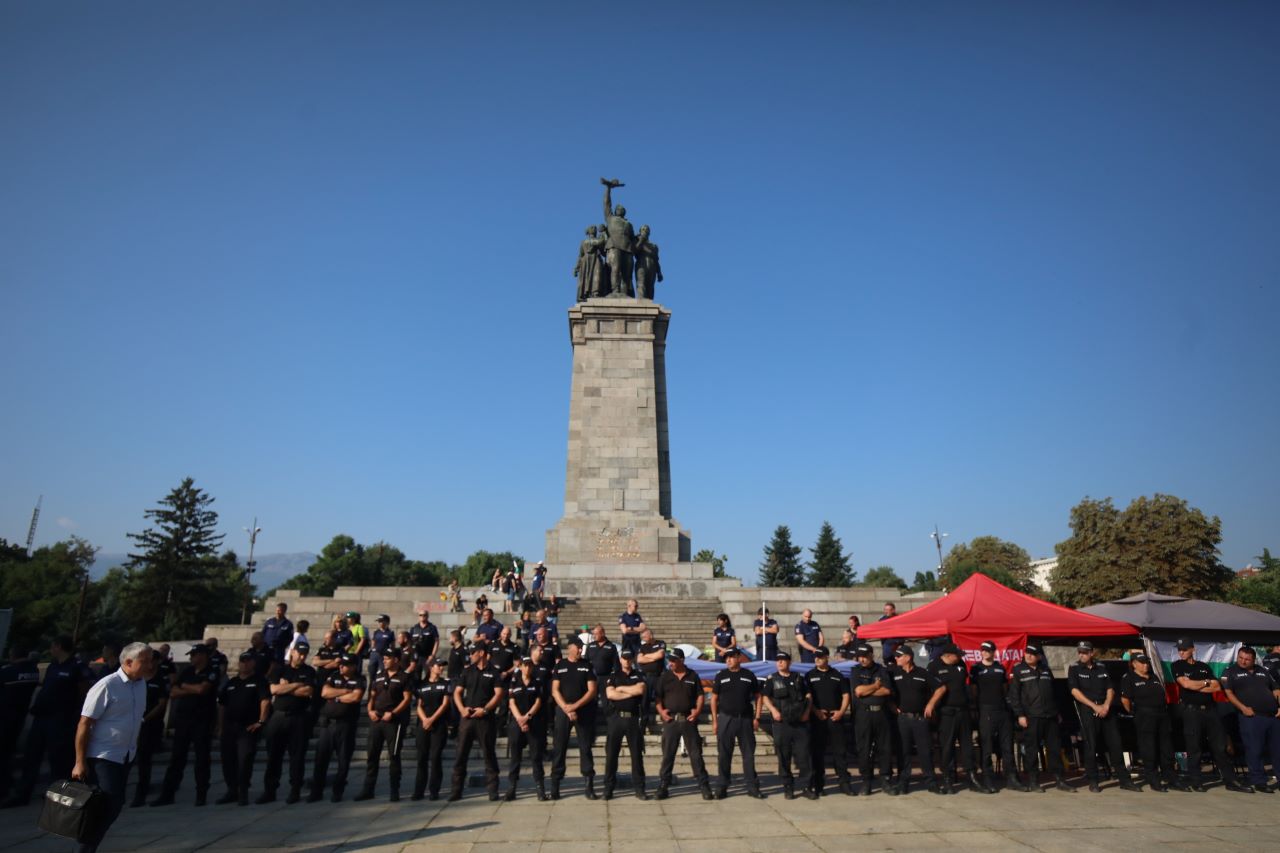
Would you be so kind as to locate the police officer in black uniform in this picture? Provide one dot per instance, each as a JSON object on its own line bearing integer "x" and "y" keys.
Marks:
{"x": 735, "y": 719}
{"x": 786, "y": 695}
{"x": 194, "y": 699}
{"x": 990, "y": 685}
{"x": 292, "y": 687}
{"x": 955, "y": 725}
{"x": 624, "y": 692}
{"x": 432, "y": 732}
{"x": 54, "y": 716}
{"x": 19, "y": 679}
{"x": 1091, "y": 687}
{"x": 602, "y": 654}
{"x": 917, "y": 693}
{"x": 1036, "y": 709}
{"x": 871, "y": 686}
{"x": 388, "y": 718}
{"x": 527, "y": 722}
{"x": 1143, "y": 696}
{"x": 277, "y": 633}
{"x": 679, "y": 703}
{"x": 1198, "y": 712}
{"x": 151, "y": 732}
{"x": 1256, "y": 696}
{"x": 380, "y": 640}
{"x": 342, "y": 694}
{"x": 477, "y": 697}
{"x": 325, "y": 662}
{"x": 573, "y": 689}
{"x": 425, "y": 637}
{"x": 244, "y": 702}
{"x": 830, "y": 693}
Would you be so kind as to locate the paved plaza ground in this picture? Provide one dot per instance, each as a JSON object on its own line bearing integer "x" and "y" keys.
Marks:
{"x": 1054, "y": 821}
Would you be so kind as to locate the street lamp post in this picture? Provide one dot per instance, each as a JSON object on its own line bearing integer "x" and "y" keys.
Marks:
{"x": 249, "y": 567}
{"x": 937, "y": 541}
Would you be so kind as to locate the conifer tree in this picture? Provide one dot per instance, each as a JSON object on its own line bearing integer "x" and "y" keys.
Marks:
{"x": 830, "y": 565}
{"x": 781, "y": 566}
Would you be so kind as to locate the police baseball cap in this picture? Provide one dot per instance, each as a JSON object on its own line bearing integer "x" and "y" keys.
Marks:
{"x": 384, "y": 618}
{"x": 348, "y": 659}
{"x": 199, "y": 649}
{"x": 439, "y": 662}
{"x": 302, "y": 647}
{"x": 575, "y": 641}
{"x": 391, "y": 653}
{"x": 627, "y": 653}
{"x": 351, "y": 614}
{"x": 1185, "y": 643}
{"x": 526, "y": 659}
{"x": 678, "y": 654}
{"x": 863, "y": 650}
{"x": 731, "y": 652}
{"x": 244, "y": 656}
{"x": 821, "y": 652}
{"x": 904, "y": 651}
{"x": 780, "y": 656}
{"x": 1033, "y": 650}
{"x": 988, "y": 646}
{"x": 1084, "y": 646}
{"x": 1141, "y": 657}
{"x": 953, "y": 649}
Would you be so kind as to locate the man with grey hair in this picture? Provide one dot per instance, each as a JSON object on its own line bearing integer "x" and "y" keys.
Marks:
{"x": 107, "y": 735}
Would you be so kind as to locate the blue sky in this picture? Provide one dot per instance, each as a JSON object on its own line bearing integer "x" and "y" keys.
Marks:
{"x": 953, "y": 263}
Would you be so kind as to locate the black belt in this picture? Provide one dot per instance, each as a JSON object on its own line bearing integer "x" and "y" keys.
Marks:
{"x": 871, "y": 707}
{"x": 911, "y": 715}
{"x": 1197, "y": 707}
{"x": 738, "y": 716}
{"x": 625, "y": 714}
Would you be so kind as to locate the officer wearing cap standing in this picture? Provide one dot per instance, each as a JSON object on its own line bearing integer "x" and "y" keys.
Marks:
{"x": 477, "y": 696}
{"x": 830, "y": 692}
{"x": 527, "y": 700}
{"x": 380, "y": 640}
{"x": 735, "y": 719}
{"x": 194, "y": 698}
{"x": 954, "y": 723}
{"x": 1091, "y": 687}
{"x": 624, "y": 690}
{"x": 679, "y": 703}
{"x": 388, "y": 717}
{"x": 244, "y": 702}
{"x": 995, "y": 727}
{"x": 432, "y": 732}
{"x": 786, "y": 695}
{"x": 1143, "y": 695}
{"x": 1033, "y": 703}
{"x": 870, "y": 685}
{"x": 291, "y": 687}
{"x": 1200, "y": 721}
{"x": 917, "y": 694}
{"x": 342, "y": 694}
{"x": 573, "y": 689}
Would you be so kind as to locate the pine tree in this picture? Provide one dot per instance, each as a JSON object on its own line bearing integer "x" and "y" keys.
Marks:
{"x": 830, "y": 565}
{"x": 781, "y": 566}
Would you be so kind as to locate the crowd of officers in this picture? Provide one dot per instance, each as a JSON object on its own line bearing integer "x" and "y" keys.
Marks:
{"x": 281, "y": 695}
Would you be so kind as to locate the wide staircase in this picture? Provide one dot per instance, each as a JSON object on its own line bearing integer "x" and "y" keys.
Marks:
{"x": 673, "y": 620}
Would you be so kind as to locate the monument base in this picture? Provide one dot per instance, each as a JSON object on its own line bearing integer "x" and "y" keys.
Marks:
{"x": 624, "y": 539}
{"x": 638, "y": 580}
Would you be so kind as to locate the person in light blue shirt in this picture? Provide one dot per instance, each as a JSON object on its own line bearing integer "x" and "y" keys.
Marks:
{"x": 107, "y": 735}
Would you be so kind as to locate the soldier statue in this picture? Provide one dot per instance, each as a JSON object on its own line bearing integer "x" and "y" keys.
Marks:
{"x": 587, "y": 269}
{"x": 619, "y": 241}
{"x": 648, "y": 269}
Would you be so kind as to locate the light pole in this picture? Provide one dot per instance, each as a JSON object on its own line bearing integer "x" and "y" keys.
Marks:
{"x": 937, "y": 540}
{"x": 249, "y": 566}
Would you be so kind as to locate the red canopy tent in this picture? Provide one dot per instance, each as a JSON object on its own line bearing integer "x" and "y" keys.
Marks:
{"x": 981, "y": 609}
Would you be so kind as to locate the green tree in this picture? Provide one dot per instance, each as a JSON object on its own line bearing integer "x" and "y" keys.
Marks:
{"x": 43, "y": 589}
{"x": 988, "y": 552}
{"x": 1158, "y": 543}
{"x": 1000, "y": 575}
{"x": 345, "y": 562}
{"x": 925, "y": 582}
{"x": 884, "y": 577}
{"x": 1260, "y": 591}
{"x": 708, "y": 555}
{"x": 479, "y": 567}
{"x": 781, "y": 566}
{"x": 830, "y": 565}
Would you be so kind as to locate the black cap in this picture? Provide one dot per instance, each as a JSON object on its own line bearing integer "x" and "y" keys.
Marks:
{"x": 302, "y": 647}
{"x": 821, "y": 652}
{"x": 439, "y": 662}
{"x": 198, "y": 649}
{"x": 904, "y": 651}
{"x": 1033, "y": 650}
{"x": 392, "y": 652}
{"x": 351, "y": 659}
{"x": 1142, "y": 657}
{"x": 783, "y": 656}
{"x": 953, "y": 649}
{"x": 1084, "y": 646}
{"x": 988, "y": 646}
{"x": 382, "y": 617}
{"x": 1185, "y": 643}
{"x": 244, "y": 656}
{"x": 863, "y": 650}
{"x": 627, "y": 653}
{"x": 678, "y": 654}
{"x": 733, "y": 651}
{"x": 526, "y": 659}
{"x": 575, "y": 640}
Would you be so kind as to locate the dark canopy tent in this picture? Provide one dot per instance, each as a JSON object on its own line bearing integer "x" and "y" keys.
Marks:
{"x": 1170, "y": 616}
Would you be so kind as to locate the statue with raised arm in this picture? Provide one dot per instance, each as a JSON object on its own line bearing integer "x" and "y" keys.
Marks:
{"x": 648, "y": 270}
{"x": 587, "y": 269}
{"x": 619, "y": 242}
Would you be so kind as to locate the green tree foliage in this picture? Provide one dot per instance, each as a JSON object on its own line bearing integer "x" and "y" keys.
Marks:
{"x": 781, "y": 566}
{"x": 830, "y": 565}
{"x": 1159, "y": 544}
{"x": 925, "y": 582}
{"x": 43, "y": 589}
{"x": 344, "y": 562}
{"x": 176, "y": 583}
{"x": 708, "y": 555}
{"x": 1260, "y": 591}
{"x": 884, "y": 577}
{"x": 992, "y": 555}
{"x": 479, "y": 567}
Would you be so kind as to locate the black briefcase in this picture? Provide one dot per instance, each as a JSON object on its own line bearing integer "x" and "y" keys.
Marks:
{"x": 73, "y": 810}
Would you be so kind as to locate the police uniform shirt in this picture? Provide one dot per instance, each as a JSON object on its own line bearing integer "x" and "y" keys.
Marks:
{"x": 388, "y": 691}
{"x": 217, "y": 661}
{"x": 1252, "y": 687}
{"x": 457, "y": 662}
{"x": 630, "y": 620}
{"x": 326, "y": 653}
{"x": 291, "y": 703}
{"x": 603, "y": 657}
{"x": 723, "y": 638}
{"x": 788, "y": 693}
{"x": 913, "y": 689}
{"x": 343, "y": 710}
{"x": 167, "y": 669}
{"x": 862, "y": 676}
{"x": 990, "y": 682}
{"x": 573, "y": 678}
{"x": 342, "y": 639}
{"x": 382, "y": 639}
{"x": 1199, "y": 672}
{"x": 18, "y": 681}
{"x": 262, "y": 660}
{"x": 770, "y": 640}
{"x": 525, "y": 693}
{"x": 157, "y": 689}
{"x": 431, "y": 695}
{"x": 502, "y": 658}
{"x": 955, "y": 678}
{"x": 479, "y": 685}
{"x": 1271, "y": 663}
{"x": 653, "y": 667}
{"x": 59, "y": 694}
{"x": 542, "y": 672}
{"x": 1146, "y": 694}
{"x": 198, "y": 707}
{"x": 847, "y": 651}
{"x": 489, "y": 630}
{"x": 736, "y": 692}
{"x": 1093, "y": 681}
{"x": 424, "y": 639}
{"x": 809, "y": 631}
{"x": 827, "y": 688}
{"x": 277, "y": 633}
{"x": 240, "y": 697}
{"x": 1031, "y": 691}
{"x": 550, "y": 657}
{"x": 618, "y": 678}
{"x": 679, "y": 693}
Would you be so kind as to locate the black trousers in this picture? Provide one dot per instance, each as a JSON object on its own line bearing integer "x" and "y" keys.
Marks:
{"x": 48, "y": 736}
{"x": 585, "y": 729}
{"x": 1198, "y": 725}
{"x": 195, "y": 736}
{"x": 430, "y": 743}
{"x": 791, "y": 742}
{"x": 392, "y": 735}
{"x": 872, "y": 731}
{"x": 150, "y": 737}
{"x": 237, "y": 748}
{"x": 1101, "y": 731}
{"x": 1155, "y": 744}
{"x": 535, "y": 740}
{"x": 620, "y": 728}
{"x": 914, "y": 731}
{"x": 955, "y": 727}
{"x": 672, "y": 733}
{"x": 472, "y": 730}
{"x": 335, "y": 737}
{"x": 11, "y": 723}
{"x": 112, "y": 778}
{"x": 1043, "y": 730}
{"x": 731, "y": 731}
{"x": 286, "y": 733}
{"x": 995, "y": 733}
{"x": 824, "y": 735}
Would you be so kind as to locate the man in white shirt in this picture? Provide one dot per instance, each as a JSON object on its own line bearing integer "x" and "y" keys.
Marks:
{"x": 107, "y": 736}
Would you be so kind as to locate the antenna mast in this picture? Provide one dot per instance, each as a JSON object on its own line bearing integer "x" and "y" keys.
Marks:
{"x": 35, "y": 519}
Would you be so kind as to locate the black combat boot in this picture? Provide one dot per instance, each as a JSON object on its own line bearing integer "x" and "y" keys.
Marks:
{"x": 1060, "y": 782}
{"x": 229, "y": 797}
{"x": 591, "y": 788}
{"x": 555, "y": 788}
{"x": 706, "y": 790}
{"x": 542, "y": 790}
{"x": 295, "y": 794}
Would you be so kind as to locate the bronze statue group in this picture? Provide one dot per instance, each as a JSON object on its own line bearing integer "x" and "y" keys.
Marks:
{"x": 614, "y": 260}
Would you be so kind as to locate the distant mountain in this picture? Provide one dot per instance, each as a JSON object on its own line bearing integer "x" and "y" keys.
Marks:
{"x": 273, "y": 569}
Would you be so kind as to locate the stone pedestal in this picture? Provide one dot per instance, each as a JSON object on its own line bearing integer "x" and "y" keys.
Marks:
{"x": 617, "y": 497}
